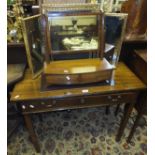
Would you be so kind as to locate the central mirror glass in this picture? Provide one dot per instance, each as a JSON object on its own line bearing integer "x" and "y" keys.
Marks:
{"x": 73, "y": 33}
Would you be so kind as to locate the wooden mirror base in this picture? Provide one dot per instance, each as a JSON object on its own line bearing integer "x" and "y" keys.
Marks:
{"x": 76, "y": 72}
{"x": 69, "y": 87}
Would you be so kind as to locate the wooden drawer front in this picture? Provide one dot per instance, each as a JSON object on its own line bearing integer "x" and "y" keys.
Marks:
{"x": 78, "y": 78}
{"x": 78, "y": 102}
{"x": 108, "y": 99}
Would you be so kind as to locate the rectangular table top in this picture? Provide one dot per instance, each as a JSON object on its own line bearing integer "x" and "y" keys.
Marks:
{"x": 29, "y": 89}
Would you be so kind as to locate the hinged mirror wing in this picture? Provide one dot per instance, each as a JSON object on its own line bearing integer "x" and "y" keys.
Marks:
{"x": 115, "y": 25}
{"x": 34, "y": 44}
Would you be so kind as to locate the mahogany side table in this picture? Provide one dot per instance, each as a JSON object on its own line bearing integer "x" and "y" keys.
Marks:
{"x": 31, "y": 99}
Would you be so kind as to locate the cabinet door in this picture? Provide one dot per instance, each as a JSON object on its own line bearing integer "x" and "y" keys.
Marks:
{"x": 34, "y": 44}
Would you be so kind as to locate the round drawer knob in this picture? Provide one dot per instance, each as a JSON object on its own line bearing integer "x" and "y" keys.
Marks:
{"x": 31, "y": 106}
{"x": 23, "y": 107}
{"x": 82, "y": 100}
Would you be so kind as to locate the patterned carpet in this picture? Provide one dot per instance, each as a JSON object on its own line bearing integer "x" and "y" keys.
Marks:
{"x": 80, "y": 132}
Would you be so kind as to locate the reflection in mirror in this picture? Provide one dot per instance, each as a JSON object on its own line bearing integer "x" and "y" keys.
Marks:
{"x": 115, "y": 24}
{"x": 73, "y": 33}
{"x": 33, "y": 43}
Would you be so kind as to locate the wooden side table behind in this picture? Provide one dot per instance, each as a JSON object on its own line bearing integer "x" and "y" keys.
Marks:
{"x": 138, "y": 63}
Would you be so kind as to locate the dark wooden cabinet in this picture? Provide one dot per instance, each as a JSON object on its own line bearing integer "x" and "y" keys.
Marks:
{"x": 16, "y": 53}
{"x": 137, "y": 61}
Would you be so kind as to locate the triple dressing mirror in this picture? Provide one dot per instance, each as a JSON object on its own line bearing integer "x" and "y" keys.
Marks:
{"x": 68, "y": 33}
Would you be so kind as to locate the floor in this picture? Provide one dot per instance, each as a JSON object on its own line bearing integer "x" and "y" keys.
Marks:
{"x": 80, "y": 132}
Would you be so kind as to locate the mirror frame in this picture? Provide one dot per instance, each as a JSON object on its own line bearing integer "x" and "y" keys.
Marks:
{"x": 118, "y": 45}
{"x": 101, "y": 48}
{"x": 27, "y": 45}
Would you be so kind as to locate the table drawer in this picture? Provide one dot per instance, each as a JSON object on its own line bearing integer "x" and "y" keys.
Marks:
{"x": 110, "y": 99}
{"x": 78, "y": 102}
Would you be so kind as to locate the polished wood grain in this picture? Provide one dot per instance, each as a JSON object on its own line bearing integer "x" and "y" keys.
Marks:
{"x": 77, "y": 66}
{"x": 28, "y": 89}
{"x": 76, "y": 79}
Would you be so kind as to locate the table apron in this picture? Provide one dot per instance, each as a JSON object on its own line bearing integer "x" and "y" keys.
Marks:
{"x": 77, "y": 102}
